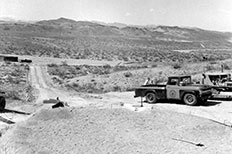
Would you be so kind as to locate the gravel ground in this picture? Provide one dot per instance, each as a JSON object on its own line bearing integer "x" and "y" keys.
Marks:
{"x": 93, "y": 130}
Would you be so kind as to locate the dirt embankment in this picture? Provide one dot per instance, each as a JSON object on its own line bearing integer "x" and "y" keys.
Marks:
{"x": 93, "y": 130}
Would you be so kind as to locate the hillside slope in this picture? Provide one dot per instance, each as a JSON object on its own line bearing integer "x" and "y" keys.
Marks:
{"x": 65, "y": 38}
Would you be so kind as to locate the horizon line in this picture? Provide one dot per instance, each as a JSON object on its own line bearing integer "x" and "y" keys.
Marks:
{"x": 11, "y": 19}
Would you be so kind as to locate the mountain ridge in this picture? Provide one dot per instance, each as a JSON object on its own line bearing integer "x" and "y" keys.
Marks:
{"x": 68, "y": 38}
{"x": 113, "y": 24}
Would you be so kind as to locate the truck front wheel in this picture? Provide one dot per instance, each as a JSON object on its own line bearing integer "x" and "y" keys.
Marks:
{"x": 2, "y": 103}
{"x": 190, "y": 99}
{"x": 151, "y": 97}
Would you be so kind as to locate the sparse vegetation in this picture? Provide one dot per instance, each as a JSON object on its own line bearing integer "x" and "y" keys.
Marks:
{"x": 209, "y": 68}
{"x": 125, "y": 78}
{"x": 50, "y": 38}
{"x": 226, "y": 67}
{"x": 68, "y": 71}
{"x": 176, "y": 65}
{"x": 13, "y": 80}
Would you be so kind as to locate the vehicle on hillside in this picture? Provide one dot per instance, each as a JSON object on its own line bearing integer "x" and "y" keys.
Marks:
{"x": 2, "y": 100}
{"x": 219, "y": 81}
{"x": 177, "y": 88}
{"x": 26, "y": 61}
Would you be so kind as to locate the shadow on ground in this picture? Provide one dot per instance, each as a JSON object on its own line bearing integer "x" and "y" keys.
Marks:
{"x": 14, "y": 111}
{"x": 2, "y": 119}
{"x": 208, "y": 103}
{"x": 6, "y": 120}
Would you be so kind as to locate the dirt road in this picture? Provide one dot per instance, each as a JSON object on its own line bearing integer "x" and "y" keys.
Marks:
{"x": 41, "y": 81}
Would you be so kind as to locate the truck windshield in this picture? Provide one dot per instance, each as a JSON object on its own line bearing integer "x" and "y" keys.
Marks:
{"x": 218, "y": 77}
{"x": 185, "y": 80}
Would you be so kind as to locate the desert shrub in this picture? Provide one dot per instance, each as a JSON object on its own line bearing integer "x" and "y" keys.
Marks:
{"x": 64, "y": 63}
{"x": 129, "y": 89}
{"x": 226, "y": 67}
{"x": 27, "y": 93}
{"x": 89, "y": 87}
{"x": 128, "y": 74}
{"x": 6, "y": 28}
{"x": 52, "y": 65}
{"x": 27, "y": 67}
{"x": 57, "y": 80}
{"x": 13, "y": 95}
{"x": 8, "y": 62}
{"x": 209, "y": 68}
{"x": 154, "y": 65}
{"x": 107, "y": 66}
{"x": 176, "y": 65}
{"x": 116, "y": 88}
{"x": 213, "y": 62}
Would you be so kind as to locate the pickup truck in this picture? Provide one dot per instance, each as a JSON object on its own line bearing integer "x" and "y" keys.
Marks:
{"x": 177, "y": 88}
{"x": 2, "y": 100}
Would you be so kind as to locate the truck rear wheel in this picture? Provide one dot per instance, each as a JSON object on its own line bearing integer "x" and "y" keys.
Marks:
{"x": 2, "y": 103}
{"x": 190, "y": 99}
{"x": 151, "y": 97}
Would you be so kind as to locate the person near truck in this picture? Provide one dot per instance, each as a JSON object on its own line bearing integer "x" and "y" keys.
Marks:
{"x": 148, "y": 81}
{"x": 58, "y": 104}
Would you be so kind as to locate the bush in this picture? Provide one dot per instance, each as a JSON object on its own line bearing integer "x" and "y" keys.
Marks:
{"x": 52, "y": 65}
{"x": 64, "y": 63}
{"x": 154, "y": 65}
{"x": 176, "y": 65}
{"x": 213, "y": 62}
{"x": 128, "y": 74}
{"x": 6, "y": 28}
{"x": 117, "y": 88}
{"x": 107, "y": 66}
{"x": 13, "y": 95}
{"x": 226, "y": 67}
{"x": 209, "y": 68}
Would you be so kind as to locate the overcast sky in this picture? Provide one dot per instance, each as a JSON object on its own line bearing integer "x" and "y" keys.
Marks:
{"x": 206, "y": 14}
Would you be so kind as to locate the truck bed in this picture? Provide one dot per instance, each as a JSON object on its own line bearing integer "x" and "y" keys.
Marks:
{"x": 152, "y": 86}
{"x": 159, "y": 88}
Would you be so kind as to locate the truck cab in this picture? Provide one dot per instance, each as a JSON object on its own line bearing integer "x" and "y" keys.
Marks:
{"x": 176, "y": 88}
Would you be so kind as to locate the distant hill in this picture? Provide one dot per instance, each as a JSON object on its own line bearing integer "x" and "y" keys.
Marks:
{"x": 114, "y": 24}
{"x": 66, "y": 38}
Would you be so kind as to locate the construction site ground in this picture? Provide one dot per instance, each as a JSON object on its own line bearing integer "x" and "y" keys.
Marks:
{"x": 112, "y": 123}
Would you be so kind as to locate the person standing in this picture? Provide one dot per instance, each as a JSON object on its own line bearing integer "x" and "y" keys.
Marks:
{"x": 148, "y": 81}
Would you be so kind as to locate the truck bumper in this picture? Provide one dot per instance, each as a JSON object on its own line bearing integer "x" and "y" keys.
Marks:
{"x": 205, "y": 95}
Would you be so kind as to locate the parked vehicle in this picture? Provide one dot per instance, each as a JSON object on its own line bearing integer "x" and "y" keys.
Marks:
{"x": 221, "y": 84}
{"x": 219, "y": 81}
{"x": 26, "y": 61}
{"x": 2, "y": 100}
{"x": 177, "y": 88}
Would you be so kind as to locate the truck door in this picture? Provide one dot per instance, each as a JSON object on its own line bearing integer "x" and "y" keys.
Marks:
{"x": 173, "y": 89}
